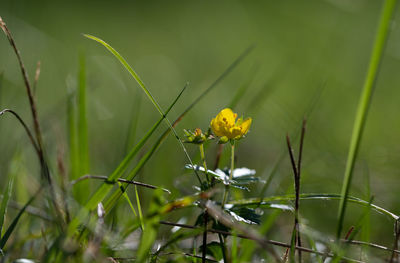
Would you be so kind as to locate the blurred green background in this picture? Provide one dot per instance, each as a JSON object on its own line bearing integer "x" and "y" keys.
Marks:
{"x": 310, "y": 59}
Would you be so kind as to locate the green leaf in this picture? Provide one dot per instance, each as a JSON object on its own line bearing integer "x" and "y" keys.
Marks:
{"x": 214, "y": 249}
{"x": 248, "y": 215}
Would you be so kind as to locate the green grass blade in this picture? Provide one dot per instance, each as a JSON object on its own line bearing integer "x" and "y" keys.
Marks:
{"x": 72, "y": 136}
{"x": 133, "y": 124}
{"x": 244, "y": 87}
{"x": 4, "y": 203}
{"x": 13, "y": 224}
{"x": 82, "y": 119}
{"x": 146, "y": 91}
{"x": 311, "y": 196}
{"x": 363, "y": 106}
{"x": 139, "y": 208}
{"x": 105, "y": 188}
{"x": 129, "y": 201}
{"x": 130, "y": 70}
{"x": 150, "y": 231}
{"x": 292, "y": 246}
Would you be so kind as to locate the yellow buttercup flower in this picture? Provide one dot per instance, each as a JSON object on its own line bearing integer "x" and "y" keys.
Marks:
{"x": 225, "y": 124}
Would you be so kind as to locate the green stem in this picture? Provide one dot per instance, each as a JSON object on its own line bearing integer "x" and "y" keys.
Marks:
{"x": 365, "y": 99}
{"x": 230, "y": 175}
{"x": 203, "y": 159}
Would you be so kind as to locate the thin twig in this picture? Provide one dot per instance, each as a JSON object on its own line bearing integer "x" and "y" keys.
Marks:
{"x": 101, "y": 177}
{"x": 37, "y": 74}
{"x": 280, "y": 244}
{"x": 31, "y": 210}
{"x": 43, "y": 164}
{"x": 303, "y": 132}
{"x": 396, "y": 239}
{"x": 27, "y": 85}
{"x": 297, "y": 194}
{"x": 204, "y": 248}
{"x": 28, "y": 132}
{"x": 163, "y": 254}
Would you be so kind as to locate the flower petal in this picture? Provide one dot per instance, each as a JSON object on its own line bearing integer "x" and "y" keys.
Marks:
{"x": 245, "y": 126}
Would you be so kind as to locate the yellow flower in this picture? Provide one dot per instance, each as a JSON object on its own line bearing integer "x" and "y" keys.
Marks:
{"x": 225, "y": 124}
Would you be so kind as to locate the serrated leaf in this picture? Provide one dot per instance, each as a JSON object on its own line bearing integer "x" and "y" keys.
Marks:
{"x": 246, "y": 215}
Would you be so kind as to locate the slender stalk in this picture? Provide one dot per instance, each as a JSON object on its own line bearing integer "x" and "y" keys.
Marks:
{"x": 203, "y": 159}
{"x": 278, "y": 243}
{"x": 28, "y": 132}
{"x": 122, "y": 180}
{"x": 223, "y": 247}
{"x": 226, "y": 191}
{"x": 363, "y": 106}
{"x": 36, "y": 79}
{"x": 295, "y": 234}
{"x": 45, "y": 172}
{"x": 232, "y": 161}
{"x": 396, "y": 241}
{"x": 204, "y": 247}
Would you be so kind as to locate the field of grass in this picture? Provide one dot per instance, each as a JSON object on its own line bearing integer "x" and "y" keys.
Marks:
{"x": 110, "y": 154}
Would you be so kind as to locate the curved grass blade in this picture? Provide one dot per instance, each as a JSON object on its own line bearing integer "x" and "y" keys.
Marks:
{"x": 4, "y": 203}
{"x": 13, "y": 224}
{"x": 363, "y": 106}
{"x": 285, "y": 198}
{"x": 146, "y": 91}
{"x": 116, "y": 195}
{"x": 105, "y": 188}
{"x": 28, "y": 132}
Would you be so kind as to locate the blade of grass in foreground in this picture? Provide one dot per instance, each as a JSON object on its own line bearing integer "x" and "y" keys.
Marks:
{"x": 13, "y": 224}
{"x": 82, "y": 119}
{"x": 4, "y": 202}
{"x": 146, "y": 91}
{"x": 363, "y": 106}
{"x": 82, "y": 190}
{"x": 105, "y": 188}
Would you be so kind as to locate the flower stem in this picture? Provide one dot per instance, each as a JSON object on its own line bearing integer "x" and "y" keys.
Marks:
{"x": 230, "y": 175}
{"x": 203, "y": 159}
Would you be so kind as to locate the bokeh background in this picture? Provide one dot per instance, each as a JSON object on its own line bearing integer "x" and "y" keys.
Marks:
{"x": 310, "y": 59}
